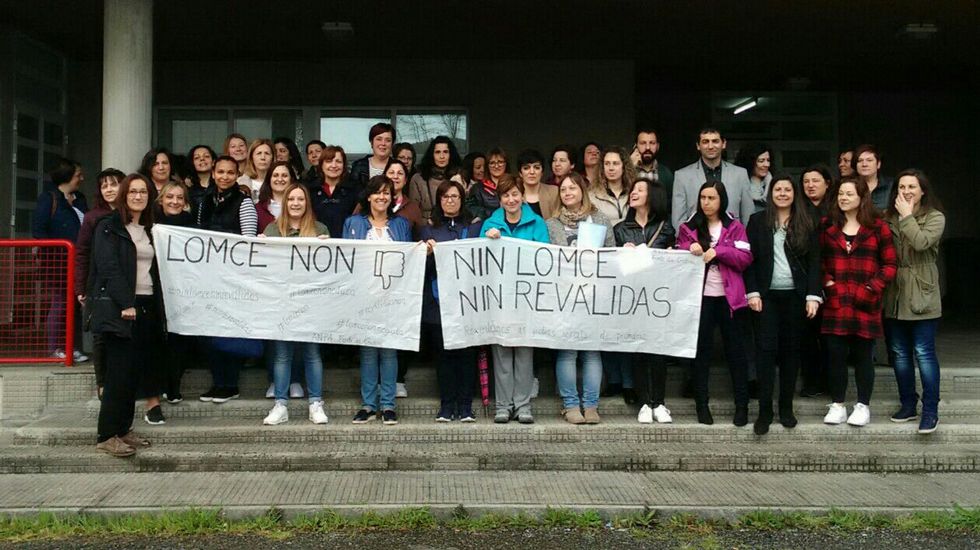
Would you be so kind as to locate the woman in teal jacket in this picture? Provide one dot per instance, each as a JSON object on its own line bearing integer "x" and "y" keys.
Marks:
{"x": 513, "y": 367}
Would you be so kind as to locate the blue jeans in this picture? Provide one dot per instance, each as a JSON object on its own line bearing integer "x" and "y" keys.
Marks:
{"x": 282, "y": 369}
{"x": 618, "y": 368}
{"x": 917, "y": 339}
{"x": 591, "y": 378}
{"x": 371, "y": 371}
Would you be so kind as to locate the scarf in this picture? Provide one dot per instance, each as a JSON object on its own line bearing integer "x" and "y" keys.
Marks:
{"x": 571, "y": 219}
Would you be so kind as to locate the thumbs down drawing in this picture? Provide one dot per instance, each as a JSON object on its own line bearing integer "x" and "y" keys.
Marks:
{"x": 388, "y": 264}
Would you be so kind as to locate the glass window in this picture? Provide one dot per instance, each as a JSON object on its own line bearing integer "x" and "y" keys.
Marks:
{"x": 54, "y": 134}
{"x": 27, "y": 158}
{"x": 419, "y": 129}
{"x": 188, "y": 133}
{"x": 27, "y": 127}
{"x": 350, "y": 132}
{"x": 27, "y": 188}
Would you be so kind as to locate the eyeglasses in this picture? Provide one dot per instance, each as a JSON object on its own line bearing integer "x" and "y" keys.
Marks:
{"x": 450, "y": 197}
{"x": 138, "y": 192}
{"x": 498, "y": 162}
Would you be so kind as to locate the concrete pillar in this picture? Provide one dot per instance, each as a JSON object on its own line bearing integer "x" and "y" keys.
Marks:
{"x": 127, "y": 83}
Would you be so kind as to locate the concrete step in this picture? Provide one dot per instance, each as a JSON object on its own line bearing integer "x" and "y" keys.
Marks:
{"x": 950, "y": 407}
{"x": 69, "y": 428}
{"x": 515, "y": 457}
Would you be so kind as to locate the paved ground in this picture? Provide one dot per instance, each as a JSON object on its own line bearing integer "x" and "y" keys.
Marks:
{"x": 539, "y": 539}
{"x": 709, "y": 493}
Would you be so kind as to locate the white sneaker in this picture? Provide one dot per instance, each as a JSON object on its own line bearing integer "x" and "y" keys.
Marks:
{"x": 271, "y": 392}
{"x": 400, "y": 389}
{"x": 662, "y": 414}
{"x": 296, "y": 390}
{"x": 317, "y": 416}
{"x": 277, "y": 415}
{"x": 646, "y": 415}
{"x": 860, "y": 416}
{"x": 836, "y": 415}
{"x": 79, "y": 356}
{"x": 535, "y": 386}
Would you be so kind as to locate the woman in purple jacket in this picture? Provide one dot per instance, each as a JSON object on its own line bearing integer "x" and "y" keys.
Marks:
{"x": 720, "y": 240}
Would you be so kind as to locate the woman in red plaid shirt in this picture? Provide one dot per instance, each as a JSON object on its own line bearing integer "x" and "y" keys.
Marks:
{"x": 859, "y": 261}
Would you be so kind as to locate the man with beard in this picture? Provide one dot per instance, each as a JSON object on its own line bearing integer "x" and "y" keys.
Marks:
{"x": 645, "y": 159}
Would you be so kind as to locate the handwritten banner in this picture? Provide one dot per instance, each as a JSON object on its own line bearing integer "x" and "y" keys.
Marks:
{"x": 299, "y": 289}
{"x": 520, "y": 293}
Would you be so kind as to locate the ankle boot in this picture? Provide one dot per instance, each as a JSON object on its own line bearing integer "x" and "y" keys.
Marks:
{"x": 741, "y": 417}
{"x": 762, "y": 423}
{"x": 786, "y": 416}
{"x": 704, "y": 414}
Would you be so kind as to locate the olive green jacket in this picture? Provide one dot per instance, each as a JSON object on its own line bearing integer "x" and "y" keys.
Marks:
{"x": 914, "y": 295}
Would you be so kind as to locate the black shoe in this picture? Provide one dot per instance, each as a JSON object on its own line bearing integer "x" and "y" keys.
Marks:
{"x": 389, "y": 418}
{"x": 154, "y": 416}
{"x": 363, "y": 416}
{"x": 612, "y": 389}
{"x": 741, "y": 417}
{"x": 224, "y": 395}
{"x": 629, "y": 396}
{"x": 704, "y": 414}
{"x": 687, "y": 390}
{"x": 906, "y": 413}
{"x": 761, "y": 426}
{"x": 808, "y": 391}
{"x": 753, "y": 387}
{"x": 445, "y": 413}
{"x": 464, "y": 413}
{"x": 787, "y": 418}
{"x": 174, "y": 397}
{"x": 208, "y": 396}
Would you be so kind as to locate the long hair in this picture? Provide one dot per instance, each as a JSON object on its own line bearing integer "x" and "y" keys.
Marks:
{"x": 394, "y": 160}
{"x": 195, "y": 178}
{"x": 656, "y": 201}
{"x": 107, "y": 174}
{"x": 307, "y": 222}
{"x": 866, "y": 214}
{"x": 699, "y": 221}
{"x": 265, "y": 192}
{"x": 328, "y": 154}
{"x": 146, "y": 217}
{"x": 468, "y": 162}
{"x": 927, "y": 203}
{"x": 249, "y": 165}
{"x": 375, "y": 185}
{"x": 444, "y": 187}
{"x": 799, "y": 226}
{"x": 295, "y": 160}
{"x": 427, "y": 164}
{"x": 629, "y": 172}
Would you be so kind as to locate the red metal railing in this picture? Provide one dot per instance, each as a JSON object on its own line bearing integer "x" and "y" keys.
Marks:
{"x": 37, "y": 301}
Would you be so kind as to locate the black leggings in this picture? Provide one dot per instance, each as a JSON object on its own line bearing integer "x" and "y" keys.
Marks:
{"x": 864, "y": 372}
{"x": 650, "y": 377}
{"x": 715, "y": 311}
{"x": 780, "y": 326}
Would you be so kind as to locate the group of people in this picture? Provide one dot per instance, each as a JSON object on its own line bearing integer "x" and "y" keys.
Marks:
{"x": 802, "y": 275}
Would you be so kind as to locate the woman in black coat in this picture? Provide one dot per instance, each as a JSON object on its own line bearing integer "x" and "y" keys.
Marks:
{"x": 783, "y": 288}
{"x": 647, "y": 224}
{"x": 124, "y": 296}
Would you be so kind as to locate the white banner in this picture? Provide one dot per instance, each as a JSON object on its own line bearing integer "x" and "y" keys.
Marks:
{"x": 300, "y": 289}
{"x": 521, "y": 293}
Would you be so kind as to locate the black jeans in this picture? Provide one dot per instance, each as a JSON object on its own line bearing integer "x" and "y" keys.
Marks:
{"x": 813, "y": 350}
{"x": 864, "y": 371}
{"x": 715, "y": 312}
{"x": 126, "y": 359}
{"x": 455, "y": 370}
{"x": 650, "y": 377}
{"x": 778, "y": 340}
{"x": 98, "y": 358}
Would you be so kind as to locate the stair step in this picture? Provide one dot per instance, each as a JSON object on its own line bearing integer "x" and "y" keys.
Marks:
{"x": 516, "y": 456}
{"x": 65, "y": 429}
{"x": 951, "y": 406}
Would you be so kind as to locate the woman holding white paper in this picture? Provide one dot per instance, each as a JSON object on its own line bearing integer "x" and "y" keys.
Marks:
{"x": 579, "y": 223}
{"x": 647, "y": 225}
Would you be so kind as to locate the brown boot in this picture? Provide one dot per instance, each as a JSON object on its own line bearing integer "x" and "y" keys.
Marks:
{"x": 573, "y": 416}
{"x": 134, "y": 440}
{"x": 592, "y": 415}
{"x": 115, "y": 447}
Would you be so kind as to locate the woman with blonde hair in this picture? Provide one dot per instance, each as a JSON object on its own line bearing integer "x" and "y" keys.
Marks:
{"x": 297, "y": 220}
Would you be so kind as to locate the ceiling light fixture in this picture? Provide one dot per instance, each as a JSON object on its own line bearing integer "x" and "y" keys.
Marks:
{"x": 751, "y": 103}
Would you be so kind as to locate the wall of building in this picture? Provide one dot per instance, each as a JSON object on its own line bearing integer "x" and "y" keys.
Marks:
{"x": 514, "y": 104}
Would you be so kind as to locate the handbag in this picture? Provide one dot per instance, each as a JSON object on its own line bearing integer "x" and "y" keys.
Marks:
{"x": 245, "y": 348}
{"x": 99, "y": 311}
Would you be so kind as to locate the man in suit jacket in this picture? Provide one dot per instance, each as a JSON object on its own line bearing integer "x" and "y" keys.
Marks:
{"x": 688, "y": 180}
